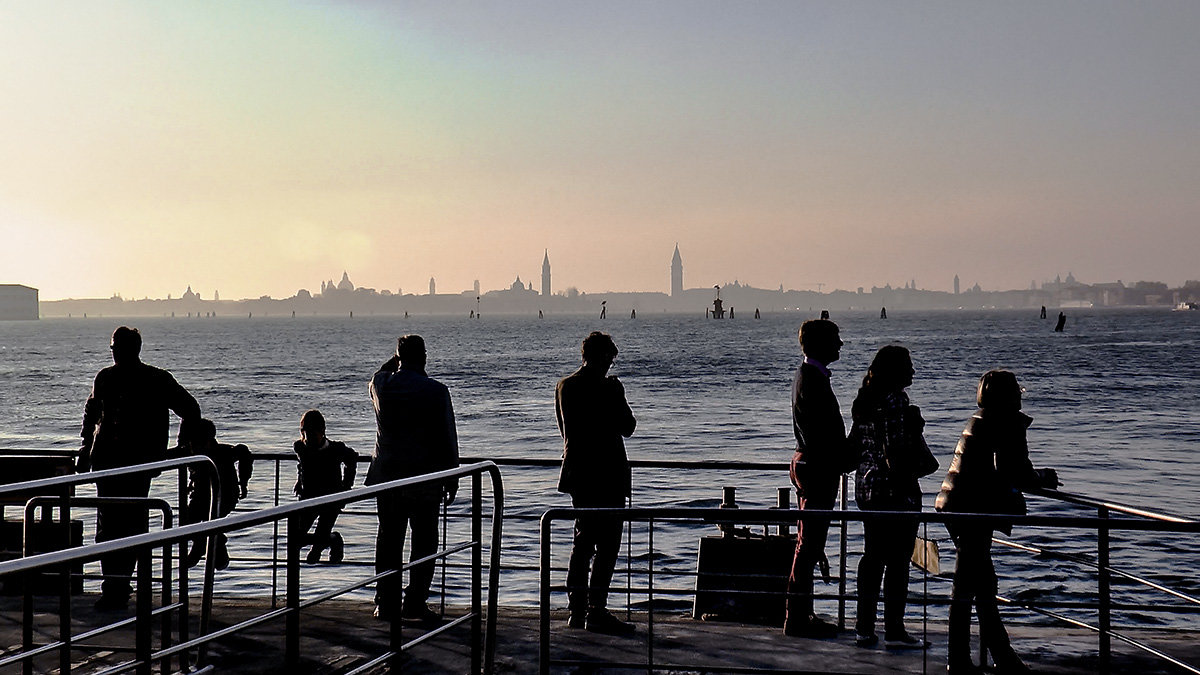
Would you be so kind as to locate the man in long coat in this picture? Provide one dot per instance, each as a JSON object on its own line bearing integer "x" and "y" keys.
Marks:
{"x": 593, "y": 416}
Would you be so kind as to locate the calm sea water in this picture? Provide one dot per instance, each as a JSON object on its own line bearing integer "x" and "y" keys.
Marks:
{"x": 1114, "y": 399}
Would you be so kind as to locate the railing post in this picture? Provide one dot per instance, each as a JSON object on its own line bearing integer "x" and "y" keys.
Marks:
{"x": 184, "y": 594}
{"x": 143, "y": 626}
{"x": 544, "y": 608}
{"x": 64, "y": 598}
{"x": 275, "y": 547}
{"x": 165, "y": 637}
{"x": 842, "y": 558}
{"x": 1105, "y": 592}
{"x": 476, "y": 573}
{"x": 650, "y": 597}
{"x": 292, "y": 623}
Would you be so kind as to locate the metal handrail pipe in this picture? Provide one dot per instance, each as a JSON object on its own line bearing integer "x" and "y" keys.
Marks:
{"x": 71, "y": 480}
{"x": 219, "y": 525}
{"x": 1094, "y": 565}
{"x": 1083, "y": 500}
{"x": 773, "y": 516}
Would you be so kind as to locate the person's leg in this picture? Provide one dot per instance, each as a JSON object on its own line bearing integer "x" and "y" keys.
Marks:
{"x": 973, "y": 554}
{"x": 389, "y": 548}
{"x": 818, "y": 494}
{"x": 583, "y": 549}
{"x": 423, "y": 518}
{"x": 870, "y": 574}
{"x": 325, "y": 520}
{"x": 607, "y": 539}
{"x": 899, "y": 540}
{"x": 991, "y": 629}
{"x": 118, "y": 521}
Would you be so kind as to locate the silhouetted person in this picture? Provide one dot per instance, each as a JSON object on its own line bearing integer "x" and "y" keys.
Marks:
{"x": 990, "y": 469}
{"x": 819, "y": 460}
{"x": 1062, "y": 322}
{"x": 234, "y": 466}
{"x": 415, "y": 435}
{"x": 324, "y": 467}
{"x": 888, "y": 435}
{"x": 593, "y": 416}
{"x": 126, "y": 421}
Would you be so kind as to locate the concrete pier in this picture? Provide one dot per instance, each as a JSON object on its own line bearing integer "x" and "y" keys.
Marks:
{"x": 340, "y": 634}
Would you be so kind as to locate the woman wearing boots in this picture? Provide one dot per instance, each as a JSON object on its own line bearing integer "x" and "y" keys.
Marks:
{"x": 990, "y": 469}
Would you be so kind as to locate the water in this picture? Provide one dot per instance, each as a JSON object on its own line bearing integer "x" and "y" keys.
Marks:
{"x": 1114, "y": 401}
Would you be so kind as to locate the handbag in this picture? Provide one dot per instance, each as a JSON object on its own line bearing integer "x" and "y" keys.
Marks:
{"x": 918, "y": 460}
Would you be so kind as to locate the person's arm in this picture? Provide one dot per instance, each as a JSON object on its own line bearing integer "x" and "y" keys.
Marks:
{"x": 625, "y": 421}
{"x": 349, "y": 466}
{"x": 92, "y": 410}
{"x": 245, "y": 466}
{"x": 451, "y": 486}
{"x": 180, "y": 401}
{"x": 390, "y": 366}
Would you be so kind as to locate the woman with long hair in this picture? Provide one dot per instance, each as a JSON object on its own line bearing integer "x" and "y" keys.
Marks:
{"x": 888, "y": 434}
{"x": 990, "y": 470}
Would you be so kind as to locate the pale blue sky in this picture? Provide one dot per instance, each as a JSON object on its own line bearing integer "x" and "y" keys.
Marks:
{"x": 263, "y": 147}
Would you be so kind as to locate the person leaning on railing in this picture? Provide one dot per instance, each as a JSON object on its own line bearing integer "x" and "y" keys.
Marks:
{"x": 990, "y": 469}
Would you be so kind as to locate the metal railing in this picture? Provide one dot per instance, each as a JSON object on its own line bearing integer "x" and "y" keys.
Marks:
{"x": 58, "y": 492}
{"x": 1101, "y": 524}
{"x": 483, "y": 647}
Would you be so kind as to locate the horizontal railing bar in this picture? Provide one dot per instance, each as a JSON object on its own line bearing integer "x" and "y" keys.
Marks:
{"x": 372, "y": 664}
{"x": 220, "y": 525}
{"x": 75, "y": 641}
{"x": 769, "y": 516}
{"x": 1095, "y": 629}
{"x": 1083, "y": 500}
{"x": 690, "y": 668}
{"x": 218, "y": 634}
{"x": 1111, "y": 570}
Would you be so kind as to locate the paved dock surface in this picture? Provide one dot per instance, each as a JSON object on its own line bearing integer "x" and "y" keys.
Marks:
{"x": 340, "y": 634}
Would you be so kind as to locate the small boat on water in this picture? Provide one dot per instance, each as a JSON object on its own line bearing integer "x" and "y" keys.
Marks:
{"x": 1187, "y": 307}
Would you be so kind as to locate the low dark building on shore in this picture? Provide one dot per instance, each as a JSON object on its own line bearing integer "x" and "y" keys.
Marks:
{"x": 18, "y": 302}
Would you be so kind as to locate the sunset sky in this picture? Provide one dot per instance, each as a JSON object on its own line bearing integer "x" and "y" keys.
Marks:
{"x": 259, "y": 147}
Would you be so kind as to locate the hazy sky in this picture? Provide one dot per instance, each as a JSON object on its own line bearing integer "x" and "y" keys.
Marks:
{"x": 259, "y": 147}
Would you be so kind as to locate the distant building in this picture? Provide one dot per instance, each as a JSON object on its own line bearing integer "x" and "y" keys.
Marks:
{"x": 344, "y": 284}
{"x": 546, "y": 274}
{"x": 18, "y": 303}
{"x": 676, "y": 274}
{"x": 432, "y": 286}
{"x": 956, "y": 284}
{"x": 476, "y": 287}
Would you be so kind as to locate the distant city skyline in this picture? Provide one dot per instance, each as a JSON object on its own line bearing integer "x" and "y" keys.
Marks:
{"x": 674, "y": 286}
{"x": 253, "y": 148}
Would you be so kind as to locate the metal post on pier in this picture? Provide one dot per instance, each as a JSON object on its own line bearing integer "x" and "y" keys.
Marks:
{"x": 292, "y": 624}
{"x": 1105, "y": 619}
{"x": 143, "y": 628}
{"x": 476, "y": 573}
{"x": 544, "y": 619}
{"x": 649, "y": 596}
{"x": 842, "y": 558}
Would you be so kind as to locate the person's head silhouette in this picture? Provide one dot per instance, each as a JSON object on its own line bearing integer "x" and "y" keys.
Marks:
{"x": 598, "y": 350}
{"x": 890, "y": 370}
{"x": 999, "y": 390}
{"x": 126, "y": 345}
{"x": 410, "y": 349}
{"x": 819, "y": 339}
{"x": 312, "y": 428}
